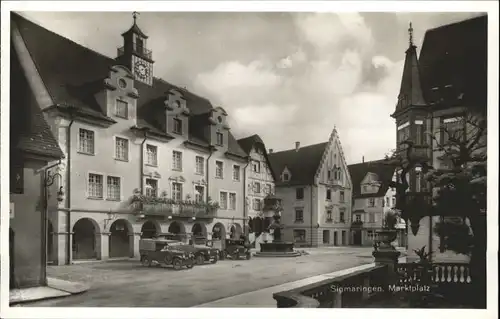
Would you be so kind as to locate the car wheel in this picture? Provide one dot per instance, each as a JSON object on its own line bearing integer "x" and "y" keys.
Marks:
{"x": 177, "y": 263}
{"x": 145, "y": 261}
{"x": 190, "y": 263}
{"x": 200, "y": 259}
{"x": 214, "y": 261}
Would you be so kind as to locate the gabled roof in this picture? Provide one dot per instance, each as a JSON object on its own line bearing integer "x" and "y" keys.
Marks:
{"x": 358, "y": 172}
{"x": 70, "y": 72}
{"x": 29, "y": 132}
{"x": 452, "y": 67}
{"x": 246, "y": 145}
{"x": 302, "y": 164}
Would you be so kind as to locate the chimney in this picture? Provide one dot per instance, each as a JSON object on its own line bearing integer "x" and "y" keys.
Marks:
{"x": 270, "y": 151}
{"x": 297, "y": 146}
{"x": 363, "y": 159}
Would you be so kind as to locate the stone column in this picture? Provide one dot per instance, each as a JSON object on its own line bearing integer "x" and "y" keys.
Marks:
{"x": 102, "y": 245}
{"x": 209, "y": 236}
{"x": 134, "y": 244}
{"x": 60, "y": 246}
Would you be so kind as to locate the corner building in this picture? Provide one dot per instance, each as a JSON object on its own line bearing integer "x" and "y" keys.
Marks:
{"x": 126, "y": 134}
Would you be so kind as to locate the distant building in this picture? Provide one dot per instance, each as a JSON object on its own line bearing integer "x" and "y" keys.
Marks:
{"x": 441, "y": 86}
{"x": 372, "y": 198}
{"x": 314, "y": 184}
{"x": 127, "y": 134}
{"x": 32, "y": 148}
{"x": 259, "y": 178}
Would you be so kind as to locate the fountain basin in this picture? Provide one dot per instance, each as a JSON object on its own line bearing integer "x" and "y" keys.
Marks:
{"x": 277, "y": 249}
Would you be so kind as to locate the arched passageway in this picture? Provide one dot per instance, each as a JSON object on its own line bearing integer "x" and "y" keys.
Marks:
{"x": 177, "y": 231}
{"x": 150, "y": 229}
{"x": 199, "y": 230}
{"x": 120, "y": 239}
{"x": 235, "y": 231}
{"x": 218, "y": 232}
{"x": 85, "y": 233}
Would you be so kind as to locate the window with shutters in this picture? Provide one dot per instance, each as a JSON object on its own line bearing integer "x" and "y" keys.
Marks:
{"x": 299, "y": 215}
{"x": 299, "y": 193}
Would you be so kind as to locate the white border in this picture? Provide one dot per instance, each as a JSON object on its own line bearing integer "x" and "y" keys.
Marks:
{"x": 340, "y": 6}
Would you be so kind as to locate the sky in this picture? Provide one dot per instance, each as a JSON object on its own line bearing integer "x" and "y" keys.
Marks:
{"x": 285, "y": 76}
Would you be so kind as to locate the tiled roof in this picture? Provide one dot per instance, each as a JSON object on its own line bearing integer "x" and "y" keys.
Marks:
{"x": 302, "y": 164}
{"x": 70, "y": 71}
{"x": 246, "y": 145}
{"x": 451, "y": 69}
{"x": 358, "y": 171}
{"x": 456, "y": 55}
{"x": 29, "y": 132}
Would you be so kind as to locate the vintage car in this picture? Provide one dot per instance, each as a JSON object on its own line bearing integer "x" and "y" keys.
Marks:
{"x": 236, "y": 248}
{"x": 158, "y": 251}
{"x": 201, "y": 249}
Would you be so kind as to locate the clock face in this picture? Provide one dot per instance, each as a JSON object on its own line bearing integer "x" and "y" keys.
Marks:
{"x": 141, "y": 69}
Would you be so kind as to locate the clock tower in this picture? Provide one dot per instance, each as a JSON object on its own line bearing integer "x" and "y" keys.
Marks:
{"x": 135, "y": 55}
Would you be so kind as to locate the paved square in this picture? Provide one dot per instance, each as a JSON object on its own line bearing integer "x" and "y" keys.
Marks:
{"x": 128, "y": 284}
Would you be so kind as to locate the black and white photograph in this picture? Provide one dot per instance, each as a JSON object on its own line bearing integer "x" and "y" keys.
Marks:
{"x": 193, "y": 159}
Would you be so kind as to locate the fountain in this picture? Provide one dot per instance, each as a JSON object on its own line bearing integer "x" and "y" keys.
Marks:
{"x": 278, "y": 247}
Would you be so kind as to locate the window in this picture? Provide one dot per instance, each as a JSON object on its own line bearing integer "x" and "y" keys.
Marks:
{"x": 236, "y": 173}
{"x": 121, "y": 149}
{"x": 199, "y": 191}
{"x": 419, "y": 132}
{"x": 177, "y": 126}
{"x": 342, "y": 198}
{"x": 393, "y": 201}
{"x": 403, "y": 132}
{"x": 371, "y": 217}
{"x": 86, "y": 141}
{"x": 95, "y": 186}
{"x": 371, "y": 202}
{"x": 256, "y": 204}
{"x": 151, "y": 187}
{"x": 268, "y": 189}
{"x": 329, "y": 215}
{"x": 177, "y": 160}
{"x": 358, "y": 218}
{"x": 219, "y": 169}
{"x": 452, "y": 128}
{"x": 299, "y": 235}
{"x": 365, "y": 188}
{"x": 388, "y": 201}
{"x": 299, "y": 215}
{"x": 342, "y": 216}
{"x": 256, "y": 187}
{"x": 328, "y": 194}
{"x": 220, "y": 139}
{"x": 329, "y": 174}
{"x": 121, "y": 109}
{"x": 256, "y": 167}
{"x": 299, "y": 193}
{"x": 232, "y": 201}
{"x": 200, "y": 165}
{"x": 177, "y": 191}
{"x": 151, "y": 155}
{"x": 113, "y": 188}
{"x": 286, "y": 177}
{"x": 223, "y": 200}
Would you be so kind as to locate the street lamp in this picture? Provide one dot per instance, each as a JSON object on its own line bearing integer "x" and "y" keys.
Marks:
{"x": 48, "y": 181}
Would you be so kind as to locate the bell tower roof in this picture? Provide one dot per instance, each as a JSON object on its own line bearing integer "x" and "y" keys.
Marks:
{"x": 135, "y": 28}
{"x": 410, "y": 92}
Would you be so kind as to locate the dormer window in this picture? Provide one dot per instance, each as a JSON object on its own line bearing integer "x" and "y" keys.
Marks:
{"x": 286, "y": 177}
{"x": 219, "y": 119}
{"x": 220, "y": 138}
{"x": 177, "y": 126}
{"x": 121, "y": 109}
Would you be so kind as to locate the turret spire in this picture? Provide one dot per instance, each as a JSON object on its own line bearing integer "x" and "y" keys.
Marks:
{"x": 410, "y": 32}
{"x": 135, "y": 14}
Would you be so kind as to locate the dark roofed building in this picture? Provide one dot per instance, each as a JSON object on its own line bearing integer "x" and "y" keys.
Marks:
{"x": 439, "y": 90}
{"x": 126, "y": 134}
{"x": 32, "y": 147}
{"x": 314, "y": 184}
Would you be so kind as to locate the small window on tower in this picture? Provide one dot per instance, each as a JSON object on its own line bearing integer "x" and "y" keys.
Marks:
{"x": 178, "y": 126}
{"x": 220, "y": 139}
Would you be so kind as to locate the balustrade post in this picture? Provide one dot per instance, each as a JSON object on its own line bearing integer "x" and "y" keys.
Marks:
{"x": 388, "y": 256}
